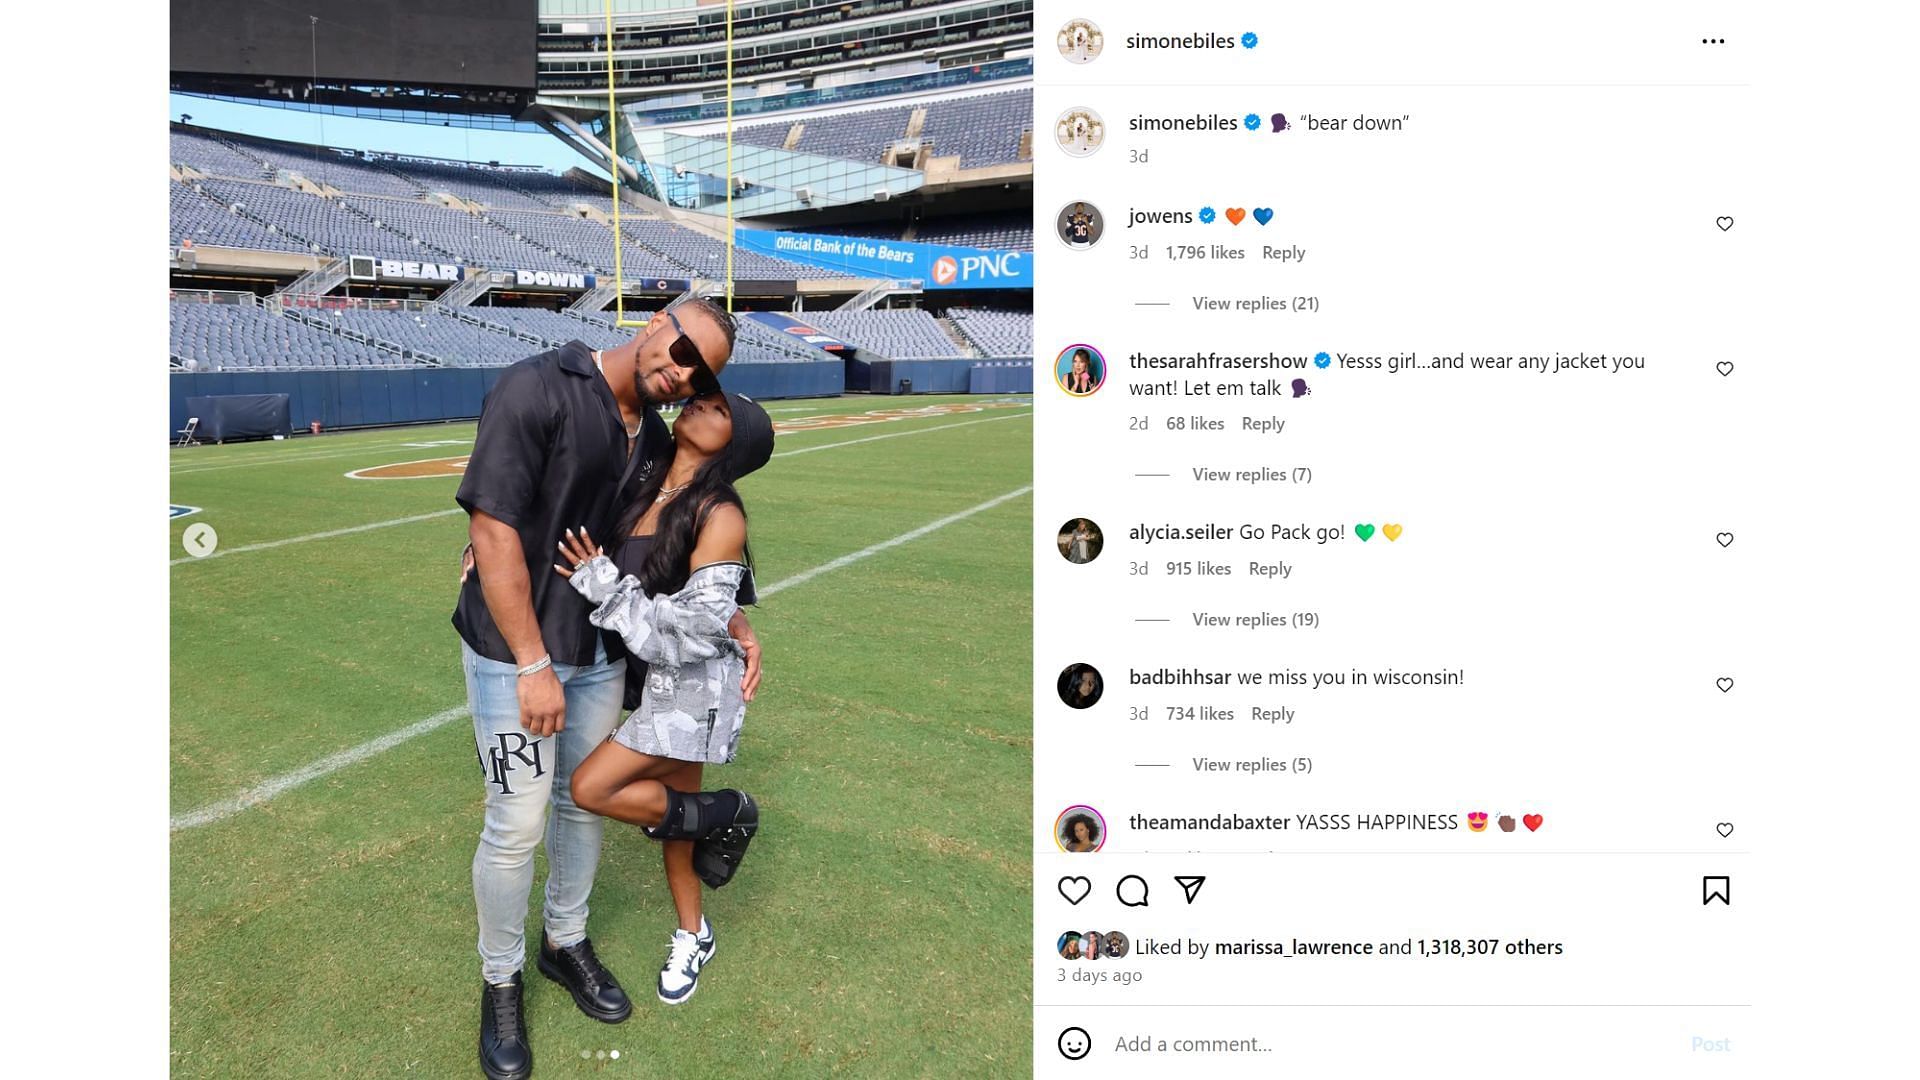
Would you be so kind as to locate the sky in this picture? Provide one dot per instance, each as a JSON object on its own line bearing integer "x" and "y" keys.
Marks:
{"x": 425, "y": 140}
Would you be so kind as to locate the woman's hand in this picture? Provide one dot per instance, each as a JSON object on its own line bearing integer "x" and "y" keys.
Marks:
{"x": 576, "y": 550}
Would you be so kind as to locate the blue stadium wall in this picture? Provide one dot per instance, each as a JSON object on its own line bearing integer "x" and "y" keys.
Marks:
{"x": 347, "y": 399}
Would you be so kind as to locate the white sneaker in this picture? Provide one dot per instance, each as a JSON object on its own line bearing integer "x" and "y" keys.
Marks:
{"x": 705, "y": 937}
{"x": 686, "y": 955}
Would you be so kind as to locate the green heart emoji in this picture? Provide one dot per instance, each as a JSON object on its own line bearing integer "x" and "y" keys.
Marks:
{"x": 1364, "y": 532}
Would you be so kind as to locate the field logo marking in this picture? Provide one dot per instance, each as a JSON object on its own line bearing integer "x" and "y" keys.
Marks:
{"x": 425, "y": 468}
{"x": 882, "y": 416}
{"x": 175, "y": 510}
{"x": 353, "y": 755}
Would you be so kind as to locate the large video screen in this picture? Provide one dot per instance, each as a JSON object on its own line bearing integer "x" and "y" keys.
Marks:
{"x": 430, "y": 42}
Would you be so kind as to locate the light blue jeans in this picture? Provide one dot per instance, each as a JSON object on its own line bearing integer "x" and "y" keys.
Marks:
{"x": 523, "y": 775}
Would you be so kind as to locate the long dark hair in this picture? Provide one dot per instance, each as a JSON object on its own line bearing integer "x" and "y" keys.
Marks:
{"x": 1093, "y": 830}
{"x": 670, "y": 561}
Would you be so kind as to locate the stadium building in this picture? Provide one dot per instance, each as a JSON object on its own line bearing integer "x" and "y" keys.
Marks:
{"x": 867, "y": 209}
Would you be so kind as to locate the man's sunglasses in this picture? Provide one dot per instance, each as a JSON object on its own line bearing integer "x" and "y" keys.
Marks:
{"x": 686, "y": 354}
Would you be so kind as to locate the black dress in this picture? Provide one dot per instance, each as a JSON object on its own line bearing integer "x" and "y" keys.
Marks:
{"x": 628, "y": 555}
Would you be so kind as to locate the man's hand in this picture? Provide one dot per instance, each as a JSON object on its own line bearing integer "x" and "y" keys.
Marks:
{"x": 738, "y": 629}
{"x": 543, "y": 703}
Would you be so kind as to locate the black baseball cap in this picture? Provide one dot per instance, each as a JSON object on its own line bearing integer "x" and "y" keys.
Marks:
{"x": 752, "y": 443}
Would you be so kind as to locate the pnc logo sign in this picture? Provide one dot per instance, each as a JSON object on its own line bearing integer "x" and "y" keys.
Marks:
{"x": 986, "y": 269}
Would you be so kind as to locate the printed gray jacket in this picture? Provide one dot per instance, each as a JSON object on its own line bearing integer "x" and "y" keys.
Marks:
{"x": 693, "y": 665}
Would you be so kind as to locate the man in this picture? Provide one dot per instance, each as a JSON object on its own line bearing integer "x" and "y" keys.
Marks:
{"x": 566, "y": 440}
{"x": 1080, "y": 226}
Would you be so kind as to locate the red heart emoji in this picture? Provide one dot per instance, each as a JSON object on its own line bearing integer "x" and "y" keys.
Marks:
{"x": 1534, "y": 821}
{"x": 1236, "y": 214}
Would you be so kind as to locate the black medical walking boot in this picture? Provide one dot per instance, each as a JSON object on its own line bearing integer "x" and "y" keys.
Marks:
{"x": 593, "y": 987}
{"x": 720, "y": 824}
{"x": 717, "y": 855}
{"x": 504, "y": 1051}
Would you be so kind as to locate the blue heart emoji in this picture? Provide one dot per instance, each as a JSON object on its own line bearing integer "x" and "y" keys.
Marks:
{"x": 1263, "y": 214}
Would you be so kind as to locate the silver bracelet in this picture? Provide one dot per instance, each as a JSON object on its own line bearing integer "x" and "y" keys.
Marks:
{"x": 537, "y": 666}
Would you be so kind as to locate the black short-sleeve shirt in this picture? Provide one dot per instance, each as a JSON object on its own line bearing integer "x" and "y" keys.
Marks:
{"x": 551, "y": 454}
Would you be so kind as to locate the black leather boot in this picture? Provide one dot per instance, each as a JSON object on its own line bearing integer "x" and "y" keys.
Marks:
{"x": 593, "y": 987}
{"x": 505, "y": 1053}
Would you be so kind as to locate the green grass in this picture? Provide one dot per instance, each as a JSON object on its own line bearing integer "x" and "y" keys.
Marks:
{"x": 881, "y": 927}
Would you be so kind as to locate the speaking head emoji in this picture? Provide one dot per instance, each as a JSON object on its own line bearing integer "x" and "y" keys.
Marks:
{"x": 1280, "y": 123}
{"x": 1477, "y": 821}
{"x": 1300, "y": 388}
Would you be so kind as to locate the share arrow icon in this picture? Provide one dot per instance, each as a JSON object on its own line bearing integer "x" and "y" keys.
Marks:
{"x": 1190, "y": 884}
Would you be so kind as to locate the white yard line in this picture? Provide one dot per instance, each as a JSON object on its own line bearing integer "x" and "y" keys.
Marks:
{"x": 329, "y": 534}
{"x": 273, "y": 788}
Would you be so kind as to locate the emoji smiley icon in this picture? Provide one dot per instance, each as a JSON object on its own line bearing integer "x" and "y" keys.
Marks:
{"x": 1477, "y": 821}
{"x": 1075, "y": 1043}
{"x": 1506, "y": 822}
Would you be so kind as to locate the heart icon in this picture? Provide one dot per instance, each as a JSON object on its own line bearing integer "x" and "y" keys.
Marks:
{"x": 1236, "y": 214}
{"x": 1393, "y": 531}
{"x": 1725, "y": 539}
{"x": 1364, "y": 532}
{"x": 1533, "y": 822}
{"x": 1263, "y": 214}
{"x": 1725, "y": 684}
{"x": 1724, "y": 222}
{"x": 1724, "y": 367}
{"x": 1725, "y": 828}
{"x": 1075, "y": 889}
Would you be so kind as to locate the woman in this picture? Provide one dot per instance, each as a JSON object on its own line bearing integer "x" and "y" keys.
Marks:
{"x": 1080, "y": 552}
{"x": 1080, "y": 379}
{"x": 674, "y": 580}
{"x": 1094, "y": 945}
{"x": 1070, "y": 946}
{"x": 1080, "y": 834}
{"x": 1083, "y": 689}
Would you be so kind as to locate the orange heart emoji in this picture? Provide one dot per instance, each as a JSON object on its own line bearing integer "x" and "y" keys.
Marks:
{"x": 1236, "y": 214}
{"x": 1393, "y": 531}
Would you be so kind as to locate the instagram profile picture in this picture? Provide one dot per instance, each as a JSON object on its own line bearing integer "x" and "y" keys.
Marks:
{"x": 1080, "y": 131}
{"x": 1080, "y": 370}
{"x": 1080, "y": 829}
{"x": 1080, "y": 225}
{"x": 1080, "y": 686}
{"x": 1080, "y": 41}
{"x": 1079, "y": 541}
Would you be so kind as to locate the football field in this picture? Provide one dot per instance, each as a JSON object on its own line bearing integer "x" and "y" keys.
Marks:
{"x": 326, "y": 799}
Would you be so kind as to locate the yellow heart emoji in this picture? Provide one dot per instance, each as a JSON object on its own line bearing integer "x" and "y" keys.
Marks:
{"x": 1393, "y": 531}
